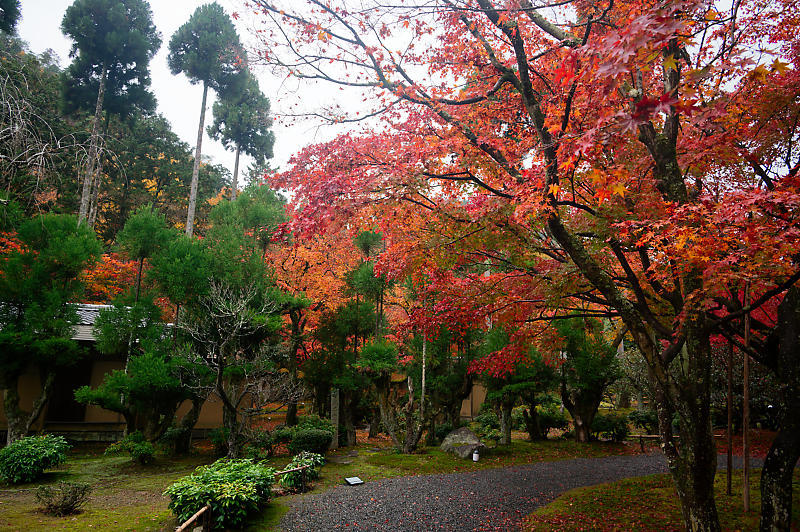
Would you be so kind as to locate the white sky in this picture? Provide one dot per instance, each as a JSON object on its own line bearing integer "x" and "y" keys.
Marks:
{"x": 178, "y": 100}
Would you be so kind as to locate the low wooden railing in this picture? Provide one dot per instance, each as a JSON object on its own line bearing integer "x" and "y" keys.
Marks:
{"x": 205, "y": 511}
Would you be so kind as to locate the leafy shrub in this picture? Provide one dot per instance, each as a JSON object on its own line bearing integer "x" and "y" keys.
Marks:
{"x": 312, "y": 440}
{"x": 260, "y": 445}
{"x": 442, "y": 431}
{"x": 611, "y": 426}
{"x": 313, "y": 421}
{"x": 298, "y": 480}
{"x": 518, "y": 418}
{"x": 488, "y": 420}
{"x": 283, "y": 435}
{"x": 26, "y": 459}
{"x": 169, "y": 440}
{"x": 64, "y": 499}
{"x": 141, "y": 451}
{"x": 219, "y": 439}
{"x": 493, "y": 434}
{"x": 646, "y": 420}
{"x": 233, "y": 488}
{"x": 552, "y": 418}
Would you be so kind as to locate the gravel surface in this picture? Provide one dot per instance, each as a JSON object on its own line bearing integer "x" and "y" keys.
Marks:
{"x": 490, "y": 499}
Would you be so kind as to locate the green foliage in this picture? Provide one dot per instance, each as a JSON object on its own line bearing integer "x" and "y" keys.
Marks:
{"x": 443, "y": 430}
{"x": 378, "y": 358}
{"x": 145, "y": 233}
{"x": 26, "y": 459}
{"x": 115, "y": 35}
{"x": 206, "y": 48}
{"x": 646, "y": 420}
{"x": 488, "y": 420}
{"x": 234, "y": 489}
{"x": 297, "y": 481}
{"x": 181, "y": 270}
{"x": 285, "y": 434}
{"x": 142, "y": 452}
{"x": 613, "y": 426}
{"x": 219, "y": 439}
{"x": 312, "y": 440}
{"x": 9, "y": 15}
{"x": 313, "y": 421}
{"x": 551, "y": 417}
{"x": 242, "y": 121}
{"x": 66, "y": 498}
{"x": 260, "y": 445}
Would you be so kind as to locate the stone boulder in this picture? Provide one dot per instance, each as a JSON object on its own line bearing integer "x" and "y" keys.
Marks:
{"x": 462, "y": 442}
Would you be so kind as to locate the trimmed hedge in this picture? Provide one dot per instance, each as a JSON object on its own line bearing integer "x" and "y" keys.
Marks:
{"x": 235, "y": 489}
{"x": 141, "y": 451}
{"x": 26, "y": 459}
{"x": 311, "y": 440}
{"x": 611, "y": 426}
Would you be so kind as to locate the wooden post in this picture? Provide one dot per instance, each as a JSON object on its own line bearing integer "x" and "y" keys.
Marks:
{"x": 746, "y": 405}
{"x": 730, "y": 418}
{"x": 335, "y": 417}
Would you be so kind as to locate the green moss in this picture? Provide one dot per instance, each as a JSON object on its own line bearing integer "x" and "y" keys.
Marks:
{"x": 647, "y": 503}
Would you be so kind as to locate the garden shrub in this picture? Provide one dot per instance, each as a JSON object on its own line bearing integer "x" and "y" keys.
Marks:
{"x": 141, "y": 451}
{"x": 493, "y": 434}
{"x": 312, "y": 440}
{"x": 646, "y": 420}
{"x": 298, "y": 480}
{"x": 313, "y": 421}
{"x": 442, "y": 431}
{"x": 64, "y": 499}
{"x": 219, "y": 439}
{"x": 234, "y": 489}
{"x": 488, "y": 420}
{"x": 611, "y": 426}
{"x": 552, "y": 418}
{"x": 518, "y": 418}
{"x": 260, "y": 445}
{"x": 26, "y": 459}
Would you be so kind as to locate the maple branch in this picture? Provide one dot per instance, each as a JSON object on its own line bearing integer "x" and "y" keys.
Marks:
{"x": 468, "y": 176}
{"x": 766, "y": 296}
{"x": 567, "y": 38}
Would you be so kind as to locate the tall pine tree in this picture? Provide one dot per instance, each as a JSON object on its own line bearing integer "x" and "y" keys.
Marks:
{"x": 207, "y": 49}
{"x": 111, "y": 39}
{"x": 242, "y": 123}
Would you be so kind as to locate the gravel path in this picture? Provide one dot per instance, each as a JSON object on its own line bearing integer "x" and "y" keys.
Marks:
{"x": 490, "y": 499}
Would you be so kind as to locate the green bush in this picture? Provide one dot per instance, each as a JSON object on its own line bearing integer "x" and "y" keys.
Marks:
{"x": 260, "y": 445}
{"x": 313, "y": 421}
{"x": 552, "y": 418}
{"x": 298, "y": 480}
{"x": 26, "y": 459}
{"x": 283, "y": 435}
{"x": 493, "y": 434}
{"x": 488, "y": 420}
{"x": 141, "y": 451}
{"x": 646, "y": 420}
{"x": 518, "y": 418}
{"x": 234, "y": 489}
{"x": 442, "y": 431}
{"x": 219, "y": 439}
{"x": 64, "y": 499}
{"x": 611, "y": 426}
{"x": 312, "y": 440}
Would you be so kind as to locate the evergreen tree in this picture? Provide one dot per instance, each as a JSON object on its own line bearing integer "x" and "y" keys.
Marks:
{"x": 145, "y": 233}
{"x": 113, "y": 39}
{"x": 207, "y": 49}
{"x": 9, "y": 15}
{"x": 242, "y": 123}
{"x": 40, "y": 278}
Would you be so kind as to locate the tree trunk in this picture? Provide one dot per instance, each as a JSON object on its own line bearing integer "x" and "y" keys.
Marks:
{"x": 19, "y": 421}
{"x": 183, "y": 443}
{"x": 196, "y": 167}
{"x": 93, "y": 142}
{"x": 375, "y": 423}
{"x": 532, "y": 424}
{"x": 776, "y": 475}
{"x": 230, "y": 420}
{"x": 505, "y": 422}
{"x": 235, "y": 182}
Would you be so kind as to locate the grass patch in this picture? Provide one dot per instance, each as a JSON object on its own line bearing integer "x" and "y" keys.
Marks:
{"x": 649, "y": 503}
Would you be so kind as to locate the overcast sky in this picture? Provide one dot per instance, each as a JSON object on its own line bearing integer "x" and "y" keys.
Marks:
{"x": 178, "y": 100}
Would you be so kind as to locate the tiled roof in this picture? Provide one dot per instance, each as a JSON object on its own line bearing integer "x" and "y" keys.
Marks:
{"x": 88, "y": 313}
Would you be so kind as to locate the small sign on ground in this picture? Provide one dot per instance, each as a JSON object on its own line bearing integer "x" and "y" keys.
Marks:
{"x": 353, "y": 481}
